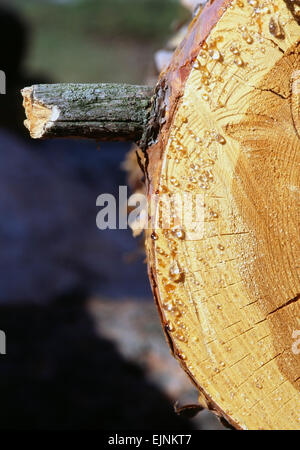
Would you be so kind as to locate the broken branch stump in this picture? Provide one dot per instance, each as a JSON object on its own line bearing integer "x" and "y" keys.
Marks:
{"x": 95, "y": 111}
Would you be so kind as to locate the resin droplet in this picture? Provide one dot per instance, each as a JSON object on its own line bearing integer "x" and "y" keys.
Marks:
{"x": 169, "y": 287}
{"x": 214, "y": 214}
{"x": 220, "y": 139}
{"x": 238, "y": 61}
{"x": 176, "y": 312}
{"x": 174, "y": 181}
{"x": 180, "y": 324}
{"x": 181, "y": 337}
{"x": 176, "y": 273}
{"x": 170, "y": 327}
{"x": 275, "y": 28}
{"x": 215, "y": 54}
{"x": 179, "y": 233}
{"x": 246, "y": 36}
{"x": 234, "y": 50}
{"x": 168, "y": 306}
{"x": 154, "y": 236}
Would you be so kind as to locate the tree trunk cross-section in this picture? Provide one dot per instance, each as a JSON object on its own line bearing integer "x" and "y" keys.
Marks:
{"x": 94, "y": 111}
{"x": 223, "y": 123}
{"x": 229, "y": 301}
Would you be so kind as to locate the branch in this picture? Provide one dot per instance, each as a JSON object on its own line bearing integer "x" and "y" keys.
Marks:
{"x": 96, "y": 111}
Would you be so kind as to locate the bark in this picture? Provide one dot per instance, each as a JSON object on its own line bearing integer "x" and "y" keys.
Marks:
{"x": 96, "y": 111}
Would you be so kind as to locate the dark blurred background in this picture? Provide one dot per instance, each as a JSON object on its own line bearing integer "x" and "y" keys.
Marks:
{"x": 84, "y": 344}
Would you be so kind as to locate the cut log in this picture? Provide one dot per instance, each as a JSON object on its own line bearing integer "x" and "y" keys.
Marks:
{"x": 229, "y": 299}
{"x": 224, "y": 125}
{"x": 95, "y": 111}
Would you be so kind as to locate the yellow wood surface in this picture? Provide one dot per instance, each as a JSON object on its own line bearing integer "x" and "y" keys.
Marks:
{"x": 229, "y": 300}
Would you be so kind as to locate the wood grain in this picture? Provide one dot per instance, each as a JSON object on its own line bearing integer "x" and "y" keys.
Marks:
{"x": 231, "y": 135}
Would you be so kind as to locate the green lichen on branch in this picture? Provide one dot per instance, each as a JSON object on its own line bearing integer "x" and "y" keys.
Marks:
{"x": 99, "y": 111}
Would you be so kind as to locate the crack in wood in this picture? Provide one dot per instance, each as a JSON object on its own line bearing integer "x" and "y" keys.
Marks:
{"x": 289, "y": 302}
